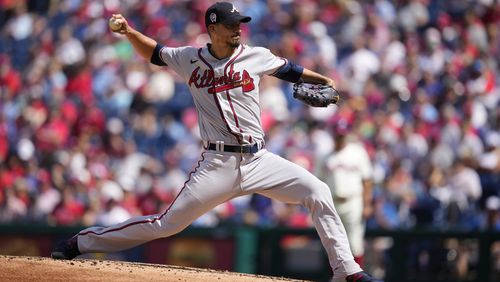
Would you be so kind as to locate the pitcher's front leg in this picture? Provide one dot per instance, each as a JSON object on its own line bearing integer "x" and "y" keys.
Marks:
{"x": 280, "y": 179}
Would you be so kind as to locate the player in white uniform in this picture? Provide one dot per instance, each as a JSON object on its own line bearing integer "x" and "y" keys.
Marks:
{"x": 348, "y": 172}
{"x": 224, "y": 81}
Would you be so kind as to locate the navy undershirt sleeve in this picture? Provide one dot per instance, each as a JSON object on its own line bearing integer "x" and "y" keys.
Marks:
{"x": 289, "y": 72}
{"x": 155, "y": 58}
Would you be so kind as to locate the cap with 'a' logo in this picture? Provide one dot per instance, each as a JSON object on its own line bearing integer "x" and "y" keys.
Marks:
{"x": 224, "y": 12}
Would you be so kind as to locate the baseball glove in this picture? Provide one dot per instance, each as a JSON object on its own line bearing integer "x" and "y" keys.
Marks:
{"x": 316, "y": 95}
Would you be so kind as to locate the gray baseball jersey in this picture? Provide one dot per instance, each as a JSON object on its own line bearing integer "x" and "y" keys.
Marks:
{"x": 225, "y": 91}
{"x": 226, "y": 94}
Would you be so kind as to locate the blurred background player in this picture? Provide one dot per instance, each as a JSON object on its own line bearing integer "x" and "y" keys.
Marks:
{"x": 348, "y": 173}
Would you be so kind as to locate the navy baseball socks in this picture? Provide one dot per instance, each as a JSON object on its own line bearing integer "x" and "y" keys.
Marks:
{"x": 67, "y": 249}
{"x": 361, "y": 277}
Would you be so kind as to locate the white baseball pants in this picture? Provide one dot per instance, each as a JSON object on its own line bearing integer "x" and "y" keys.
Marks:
{"x": 219, "y": 177}
{"x": 351, "y": 213}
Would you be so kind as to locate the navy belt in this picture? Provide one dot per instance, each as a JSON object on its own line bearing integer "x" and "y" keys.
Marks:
{"x": 244, "y": 149}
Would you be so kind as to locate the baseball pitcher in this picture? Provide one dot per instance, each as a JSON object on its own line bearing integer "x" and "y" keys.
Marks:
{"x": 223, "y": 78}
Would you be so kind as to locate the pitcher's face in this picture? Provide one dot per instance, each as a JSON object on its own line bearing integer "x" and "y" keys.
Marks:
{"x": 229, "y": 34}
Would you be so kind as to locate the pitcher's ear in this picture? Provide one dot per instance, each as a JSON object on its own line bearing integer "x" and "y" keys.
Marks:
{"x": 210, "y": 28}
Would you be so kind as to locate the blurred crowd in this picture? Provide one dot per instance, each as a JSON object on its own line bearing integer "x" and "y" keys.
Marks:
{"x": 90, "y": 134}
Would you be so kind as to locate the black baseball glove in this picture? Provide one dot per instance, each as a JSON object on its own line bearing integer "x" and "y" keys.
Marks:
{"x": 316, "y": 95}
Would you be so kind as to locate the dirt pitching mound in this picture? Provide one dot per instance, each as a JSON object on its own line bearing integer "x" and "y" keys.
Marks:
{"x": 15, "y": 268}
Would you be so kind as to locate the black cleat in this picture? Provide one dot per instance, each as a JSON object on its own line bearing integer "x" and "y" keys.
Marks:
{"x": 67, "y": 249}
{"x": 361, "y": 277}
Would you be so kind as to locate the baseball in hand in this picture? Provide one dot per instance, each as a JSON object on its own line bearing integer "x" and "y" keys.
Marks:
{"x": 115, "y": 24}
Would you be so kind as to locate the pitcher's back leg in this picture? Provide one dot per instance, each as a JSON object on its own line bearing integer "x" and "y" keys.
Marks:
{"x": 211, "y": 183}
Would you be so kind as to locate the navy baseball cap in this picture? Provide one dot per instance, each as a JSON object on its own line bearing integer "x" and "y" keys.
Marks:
{"x": 225, "y": 13}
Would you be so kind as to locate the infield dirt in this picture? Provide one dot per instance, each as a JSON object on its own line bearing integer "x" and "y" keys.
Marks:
{"x": 34, "y": 269}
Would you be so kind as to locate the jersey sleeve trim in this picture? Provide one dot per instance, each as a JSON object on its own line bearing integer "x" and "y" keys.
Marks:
{"x": 289, "y": 72}
{"x": 156, "y": 58}
{"x": 285, "y": 62}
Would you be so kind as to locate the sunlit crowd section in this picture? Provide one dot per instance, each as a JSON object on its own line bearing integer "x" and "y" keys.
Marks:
{"x": 91, "y": 134}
